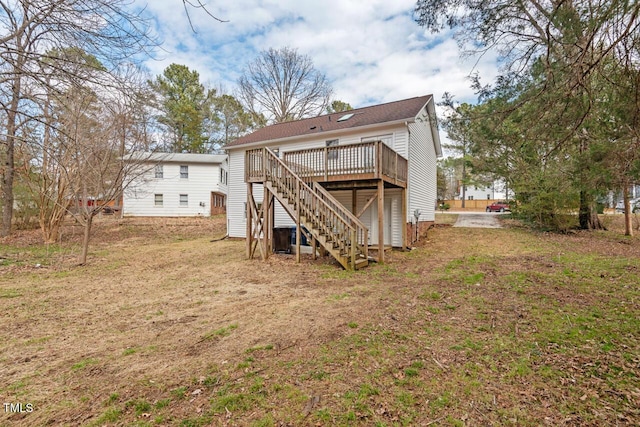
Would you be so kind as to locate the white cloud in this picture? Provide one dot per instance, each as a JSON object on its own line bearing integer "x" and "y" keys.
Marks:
{"x": 371, "y": 51}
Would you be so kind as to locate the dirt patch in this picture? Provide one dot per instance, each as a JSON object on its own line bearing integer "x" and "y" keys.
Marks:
{"x": 159, "y": 296}
{"x": 169, "y": 325}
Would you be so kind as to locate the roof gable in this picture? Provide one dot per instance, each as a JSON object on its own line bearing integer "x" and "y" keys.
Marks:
{"x": 406, "y": 110}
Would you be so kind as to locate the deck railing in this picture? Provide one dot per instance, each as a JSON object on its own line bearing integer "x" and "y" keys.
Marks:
{"x": 392, "y": 164}
{"x": 366, "y": 160}
{"x": 322, "y": 211}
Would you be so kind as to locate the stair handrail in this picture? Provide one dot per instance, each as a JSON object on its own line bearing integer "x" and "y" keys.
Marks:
{"x": 303, "y": 185}
{"x": 340, "y": 213}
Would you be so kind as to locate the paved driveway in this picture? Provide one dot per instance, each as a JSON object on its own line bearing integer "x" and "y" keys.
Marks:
{"x": 477, "y": 220}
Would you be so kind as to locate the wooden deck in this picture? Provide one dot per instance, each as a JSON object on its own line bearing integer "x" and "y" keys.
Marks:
{"x": 352, "y": 163}
{"x": 327, "y": 222}
{"x": 294, "y": 178}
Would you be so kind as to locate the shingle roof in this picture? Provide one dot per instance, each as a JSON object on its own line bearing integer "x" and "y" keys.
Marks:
{"x": 406, "y": 109}
{"x": 176, "y": 157}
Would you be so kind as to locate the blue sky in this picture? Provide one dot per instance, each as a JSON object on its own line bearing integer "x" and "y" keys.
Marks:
{"x": 371, "y": 51}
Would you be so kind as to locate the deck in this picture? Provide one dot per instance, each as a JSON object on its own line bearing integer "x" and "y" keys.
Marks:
{"x": 350, "y": 164}
{"x": 300, "y": 180}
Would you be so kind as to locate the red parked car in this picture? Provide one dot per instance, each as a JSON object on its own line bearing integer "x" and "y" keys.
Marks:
{"x": 499, "y": 206}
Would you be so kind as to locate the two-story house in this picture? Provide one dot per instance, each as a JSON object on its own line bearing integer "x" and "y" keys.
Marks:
{"x": 349, "y": 181}
{"x": 177, "y": 184}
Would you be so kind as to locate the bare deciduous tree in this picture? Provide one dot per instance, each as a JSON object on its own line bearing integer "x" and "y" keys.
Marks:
{"x": 29, "y": 30}
{"x": 198, "y": 5}
{"x": 76, "y": 164}
{"x": 96, "y": 168}
{"x": 284, "y": 85}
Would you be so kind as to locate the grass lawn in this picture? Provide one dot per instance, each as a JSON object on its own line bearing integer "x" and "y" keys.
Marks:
{"x": 164, "y": 326}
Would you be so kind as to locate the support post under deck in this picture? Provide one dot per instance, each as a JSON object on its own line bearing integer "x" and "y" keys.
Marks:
{"x": 380, "y": 221}
{"x": 249, "y": 219}
{"x": 404, "y": 217}
{"x": 298, "y": 237}
{"x": 266, "y": 229}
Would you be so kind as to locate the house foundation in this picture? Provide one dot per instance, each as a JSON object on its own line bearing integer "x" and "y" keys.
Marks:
{"x": 416, "y": 233}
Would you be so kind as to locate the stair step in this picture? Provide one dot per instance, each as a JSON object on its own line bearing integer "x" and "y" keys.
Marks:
{"x": 361, "y": 263}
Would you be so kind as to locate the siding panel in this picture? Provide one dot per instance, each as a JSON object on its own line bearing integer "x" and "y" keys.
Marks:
{"x": 237, "y": 196}
{"x": 422, "y": 185}
{"x": 139, "y": 200}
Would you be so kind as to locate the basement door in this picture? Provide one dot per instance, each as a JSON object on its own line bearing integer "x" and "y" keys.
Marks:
{"x": 373, "y": 223}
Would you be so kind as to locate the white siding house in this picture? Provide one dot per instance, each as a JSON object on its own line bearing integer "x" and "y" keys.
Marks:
{"x": 177, "y": 184}
{"x": 495, "y": 191}
{"x": 408, "y": 127}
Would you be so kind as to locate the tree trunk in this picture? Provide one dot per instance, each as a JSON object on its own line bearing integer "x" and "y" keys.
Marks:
{"x": 9, "y": 167}
{"x": 628, "y": 226}
{"x": 85, "y": 239}
{"x": 464, "y": 181}
{"x": 50, "y": 232}
{"x": 588, "y": 215}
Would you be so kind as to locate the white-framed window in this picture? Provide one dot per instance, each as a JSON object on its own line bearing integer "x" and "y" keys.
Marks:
{"x": 158, "y": 200}
{"x": 159, "y": 171}
{"x": 218, "y": 201}
{"x": 184, "y": 171}
{"x": 184, "y": 200}
{"x": 223, "y": 176}
{"x": 332, "y": 154}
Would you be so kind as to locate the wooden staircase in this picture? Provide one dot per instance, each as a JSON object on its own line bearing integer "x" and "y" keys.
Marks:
{"x": 327, "y": 222}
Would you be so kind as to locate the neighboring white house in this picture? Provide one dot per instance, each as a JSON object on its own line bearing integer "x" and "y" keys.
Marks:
{"x": 407, "y": 128}
{"x": 496, "y": 191}
{"x": 177, "y": 184}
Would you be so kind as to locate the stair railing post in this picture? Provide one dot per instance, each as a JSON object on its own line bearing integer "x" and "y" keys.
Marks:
{"x": 365, "y": 243}
{"x": 326, "y": 163}
{"x": 297, "y": 220}
{"x": 264, "y": 163}
{"x": 354, "y": 245}
{"x": 379, "y": 159}
{"x": 396, "y": 168}
{"x": 266, "y": 229}
{"x": 247, "y": 169}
